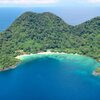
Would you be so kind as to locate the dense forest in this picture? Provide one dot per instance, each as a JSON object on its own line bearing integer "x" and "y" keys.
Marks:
{"x": 35, "y": 32}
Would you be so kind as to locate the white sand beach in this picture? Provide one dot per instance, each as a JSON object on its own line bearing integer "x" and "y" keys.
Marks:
{"x": 40, "y": 53}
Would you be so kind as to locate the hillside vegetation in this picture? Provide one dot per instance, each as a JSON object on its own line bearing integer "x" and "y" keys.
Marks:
{"x": 35, "y": 32}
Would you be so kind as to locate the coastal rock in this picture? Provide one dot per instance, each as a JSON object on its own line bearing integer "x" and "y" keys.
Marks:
{"x": 96, "y": 72}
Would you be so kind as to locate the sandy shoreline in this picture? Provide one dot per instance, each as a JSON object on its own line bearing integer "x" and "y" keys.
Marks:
{"x": 48, "y": 52}
{"x": 40, "y": 53}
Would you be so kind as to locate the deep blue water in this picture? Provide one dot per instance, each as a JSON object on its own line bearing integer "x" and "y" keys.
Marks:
{"x": 49, "y": 79}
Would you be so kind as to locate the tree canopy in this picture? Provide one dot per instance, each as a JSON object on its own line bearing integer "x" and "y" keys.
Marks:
{"x": 35, "y": 32}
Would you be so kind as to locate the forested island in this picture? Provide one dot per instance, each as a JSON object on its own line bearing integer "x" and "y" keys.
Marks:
{"x": 36, "y": 32}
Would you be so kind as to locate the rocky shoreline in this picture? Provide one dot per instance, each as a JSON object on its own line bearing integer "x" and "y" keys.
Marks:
{"x": 96, "y": 72}
{"x": 10, "y": 67}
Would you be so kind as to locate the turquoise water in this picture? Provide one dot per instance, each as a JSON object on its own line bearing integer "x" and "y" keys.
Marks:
{"x": 51, "y": 77}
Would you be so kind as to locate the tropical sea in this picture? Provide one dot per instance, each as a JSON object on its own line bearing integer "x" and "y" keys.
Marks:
{"x": 51, "y": 77}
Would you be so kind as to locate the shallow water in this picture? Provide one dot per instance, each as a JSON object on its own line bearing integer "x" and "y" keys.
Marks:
{"x": 51, "y": 77}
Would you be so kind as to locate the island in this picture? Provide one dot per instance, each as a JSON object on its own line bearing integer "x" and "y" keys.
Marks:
{"x": 32, "y": 33}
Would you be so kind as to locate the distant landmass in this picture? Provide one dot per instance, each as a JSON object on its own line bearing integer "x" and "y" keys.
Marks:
{"x": 36, "y": 32}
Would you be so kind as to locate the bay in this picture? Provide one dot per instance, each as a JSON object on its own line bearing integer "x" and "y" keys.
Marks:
{"x": 51, "y": 78}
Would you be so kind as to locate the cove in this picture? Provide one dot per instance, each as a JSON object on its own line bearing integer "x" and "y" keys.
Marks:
{"x": 51, "y": 77}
